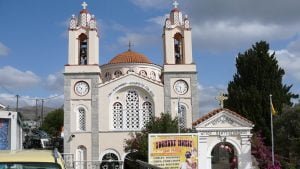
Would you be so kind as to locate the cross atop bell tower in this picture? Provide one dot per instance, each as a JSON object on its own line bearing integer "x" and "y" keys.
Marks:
{"x": 84, "y": 5}
{"x": 175, "y": 4}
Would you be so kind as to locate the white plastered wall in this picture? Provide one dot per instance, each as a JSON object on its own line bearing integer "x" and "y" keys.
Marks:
{"x": 109, "y": 138}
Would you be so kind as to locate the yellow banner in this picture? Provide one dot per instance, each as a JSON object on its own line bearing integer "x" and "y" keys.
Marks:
{"x": 173, "y": 151}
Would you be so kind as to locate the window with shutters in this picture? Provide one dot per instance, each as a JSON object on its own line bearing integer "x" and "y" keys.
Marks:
{"x": 81, "y": 119}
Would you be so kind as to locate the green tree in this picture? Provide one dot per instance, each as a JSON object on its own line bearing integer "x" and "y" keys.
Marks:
{"x": 258, "y": 75}
{"x": 53, "y": 122}
{"x": 138, "y": 142}
{"x": 287, "y": 136}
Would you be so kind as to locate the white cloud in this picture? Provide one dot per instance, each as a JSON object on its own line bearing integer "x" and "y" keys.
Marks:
{"x": 15, "y": 79}
{"x": 231, "y": 25}
{"x": 159, "y": 20}
{"x": 290, "y": 63}
{"x": 55, "y": 82}
{"x": 217, "y": 36}
{"x": 3, "y": 50}
{"x": 8, "y": 100}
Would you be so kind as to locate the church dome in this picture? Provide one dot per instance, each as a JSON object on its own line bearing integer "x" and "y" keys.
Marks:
{"x": 129, "y": 57}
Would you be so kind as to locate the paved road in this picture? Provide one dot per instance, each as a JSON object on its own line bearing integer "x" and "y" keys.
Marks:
{"x": 222, "y": 164}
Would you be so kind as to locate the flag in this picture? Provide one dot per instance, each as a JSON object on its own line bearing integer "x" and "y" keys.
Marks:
{"x": 274, "y": 112}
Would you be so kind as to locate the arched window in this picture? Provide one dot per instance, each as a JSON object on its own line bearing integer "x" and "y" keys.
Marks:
{"x": 152, "y": 75}
{"x": 110, "y": 160}
{"x": 146, "y": 113}
{"x": 117, "y": 115}
{"x": 118, "y": 73}
{"x": 81, "y": 153}
{"x": 132, "y": 110}
{"x": 143, "y": 73}
{"x": 81, "y": 124}
{"x": 182, "y": 116}
{"x": 107, "y": 76}
{"x": 178, "y": 48}
{"x": 83, "y": 48}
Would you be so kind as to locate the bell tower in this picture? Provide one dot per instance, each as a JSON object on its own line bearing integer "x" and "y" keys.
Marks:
{"x": 81, "y": 77}
{"x": 180, "y": 73}
{"x": 83, "y": 39}
{"x": 177, "y": 38}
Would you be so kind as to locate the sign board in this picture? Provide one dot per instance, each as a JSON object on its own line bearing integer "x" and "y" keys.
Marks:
{"x": 4, "y": 133}
{"x": 173, "y": 151}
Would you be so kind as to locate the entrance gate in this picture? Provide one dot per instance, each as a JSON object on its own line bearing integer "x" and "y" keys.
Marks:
{"x": 223, "y": 138}
{"x": 224, "y": 156}
{"x": 110, "y": 161}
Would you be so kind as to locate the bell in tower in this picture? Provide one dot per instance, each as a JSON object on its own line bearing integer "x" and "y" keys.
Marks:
{"x": 83, "y": 46}
{"x": 177, "y": 38}
{"x": 178, "y": 49}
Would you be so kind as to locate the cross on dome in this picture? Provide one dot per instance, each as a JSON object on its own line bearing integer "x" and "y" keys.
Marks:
{"x": 84, "y": 5}
{"x": 175, "y": 4}
{"x": 221, "y": 98}
{"x": 129, "y": 45}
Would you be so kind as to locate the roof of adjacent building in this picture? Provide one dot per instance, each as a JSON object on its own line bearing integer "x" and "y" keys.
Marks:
{"x": 216, "y": 111}
{"x": 29, "y": 156}
{"x": 130, "y": 57}
{"x": 2, "y": 106}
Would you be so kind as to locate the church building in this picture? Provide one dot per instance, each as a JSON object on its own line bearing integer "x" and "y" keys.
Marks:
{"x": 104, "y": 102}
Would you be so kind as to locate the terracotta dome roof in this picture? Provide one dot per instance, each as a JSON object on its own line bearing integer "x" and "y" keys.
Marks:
{"x": 130, "y": 57}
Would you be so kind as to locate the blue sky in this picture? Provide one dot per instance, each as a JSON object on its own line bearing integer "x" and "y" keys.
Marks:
{"x": 33, "y": 40}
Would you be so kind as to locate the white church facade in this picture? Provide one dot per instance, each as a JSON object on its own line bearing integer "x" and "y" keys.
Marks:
{"x": 104, "y": 102}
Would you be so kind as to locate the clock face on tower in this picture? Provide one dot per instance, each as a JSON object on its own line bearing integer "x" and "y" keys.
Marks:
{"x": 81, "y": 88}
{"x": 180, "y": 87}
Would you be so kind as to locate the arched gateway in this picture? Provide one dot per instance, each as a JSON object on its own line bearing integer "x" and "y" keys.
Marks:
{"x": 224, "y": 140}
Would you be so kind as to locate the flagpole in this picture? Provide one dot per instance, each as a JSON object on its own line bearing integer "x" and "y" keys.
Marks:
{"x": 272, "y": 136}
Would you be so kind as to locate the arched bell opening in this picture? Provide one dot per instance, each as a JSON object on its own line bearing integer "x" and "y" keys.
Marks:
{"x": 83, "y": 49}
{"x": 225, "y": 156}
{"x": 178, "y": 48}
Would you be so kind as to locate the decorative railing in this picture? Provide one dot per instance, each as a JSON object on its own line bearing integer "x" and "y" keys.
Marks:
{"x": 69, "y": 159}
{"x": 104, "y": 164}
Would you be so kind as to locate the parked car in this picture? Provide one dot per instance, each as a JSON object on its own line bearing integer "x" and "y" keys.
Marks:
{"x": 31, "y": 159}
{"x": 37, "y": 139}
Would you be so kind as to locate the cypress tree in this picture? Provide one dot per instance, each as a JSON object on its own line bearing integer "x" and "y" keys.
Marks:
{"x": 258, "y": 75}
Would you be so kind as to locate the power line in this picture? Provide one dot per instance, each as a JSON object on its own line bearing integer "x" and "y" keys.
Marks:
{"x": 10, "y": 92}
{"x": 47, "y": 98}
{"x": 6, "y": 97}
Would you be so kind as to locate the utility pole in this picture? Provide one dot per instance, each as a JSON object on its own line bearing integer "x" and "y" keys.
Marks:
{"x": 36, "y": 109}
{"x": 17, "y": 106}
{"x": 42, "y": 112}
